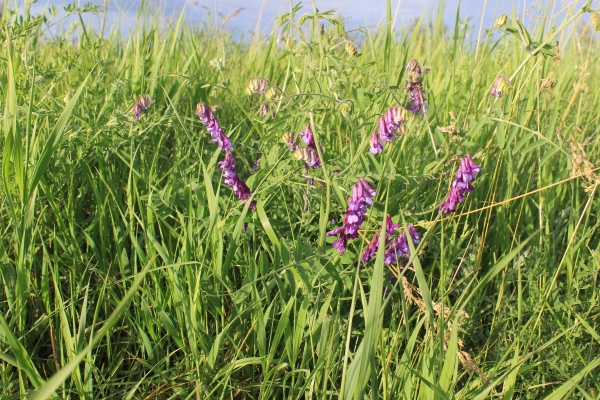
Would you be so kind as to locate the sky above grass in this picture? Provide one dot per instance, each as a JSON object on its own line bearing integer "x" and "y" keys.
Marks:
{"x": 261, "y": 13}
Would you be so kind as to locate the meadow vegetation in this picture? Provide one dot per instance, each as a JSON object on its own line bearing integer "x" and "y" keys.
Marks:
{"x": 130, "y": 268}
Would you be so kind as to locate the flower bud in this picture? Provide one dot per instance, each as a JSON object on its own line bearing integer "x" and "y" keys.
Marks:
{"x": 290, "y": 43}
{"x": 501, "y": 21}
{"x": 501, "y": 86}
{"x": 256, "y": 85}
{"x": 595, "y": 19}
{"x": 351, "y": 49}
{"x": 68, "y": 97}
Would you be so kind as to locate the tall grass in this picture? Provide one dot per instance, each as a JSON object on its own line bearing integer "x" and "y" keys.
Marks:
{"x": 130, "y": 271}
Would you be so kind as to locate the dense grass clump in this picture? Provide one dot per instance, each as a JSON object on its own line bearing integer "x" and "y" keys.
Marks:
{"x": 135, "y": 264}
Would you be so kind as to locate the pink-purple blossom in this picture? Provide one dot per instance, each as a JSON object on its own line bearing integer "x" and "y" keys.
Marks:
{"x": 500, "y": 87}
{"x": 240, "y": 189}
{"x": 391, "y": 122}
{"x": 290, "y": 141}
{"x": 256, "y": 85}
{"x": 264, "y": 110}
{"x": 376, "y": 145}
{"x": 308, "y": 136}
{"x": 309, "y": 153}
{"x": 371, "y": 249}
{"x": 362, "y": 196}
{"x": 399, "y": 246}
{"x": 142, "y": 105}
{"x": 414, "y": 79}
{"x": 212, "y": 126}
{"x": 461, "y": 184}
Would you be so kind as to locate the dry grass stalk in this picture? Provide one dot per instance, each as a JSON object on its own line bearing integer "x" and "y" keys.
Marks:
{"x": 412, "y": 296}
{"x": 583, "y": 166}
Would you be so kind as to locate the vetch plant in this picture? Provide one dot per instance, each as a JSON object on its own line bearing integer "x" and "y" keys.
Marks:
{"x": 399, "y": 246}
{"x": 240, "y": 189}
{"x": 501, "y": 86}
{"x": 371, "y": 249}
{"x": 362, "y": 196}
{"x": 212, "y": 126}
{"x": 461, "y": 184}
{"x": 142, "y": 105}
{"x": 414, "y": 78}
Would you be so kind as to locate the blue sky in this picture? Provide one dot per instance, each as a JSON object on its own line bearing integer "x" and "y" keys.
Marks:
{"x": 355, "y": 12}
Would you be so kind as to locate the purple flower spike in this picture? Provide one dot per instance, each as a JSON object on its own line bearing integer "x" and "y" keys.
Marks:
{"x": 241, "y": 190}
{"x": 376, "y": 145}
{"x": 371, "y": 249}
{"x": 399, "y": 246}
{"x": 461, "y": 184}
{"x": 389, "y": 123}
{"x": 142, "y": 105}
{"x": 414, "y": 79}
{"x": 362, "y": 196}
{"x": 212, "y": 126}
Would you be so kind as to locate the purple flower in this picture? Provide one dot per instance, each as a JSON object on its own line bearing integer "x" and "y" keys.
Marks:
{"x": 265, "y": 110}
{"x": 212, "y": 126}
{"x": 389, "y": 123}
{"x": 290, "y": 141}
{"x": 241, "y": 190}
{"x": 501, "y": 86}
{"x": 376, "y": 145}
{"x": 141, "y": 105}
{"x": 256, "y": 85}
{"x": 371, "y": 249}
{"x": 414, "y": 78}
{"x": 399, "y": 246}
{"x": 309, "y": 153}
{"x": 309, "y": 156}
{"x": 362, "y": 196}
{"x": 461, "y": 184}
{"x": 308, "y": 137}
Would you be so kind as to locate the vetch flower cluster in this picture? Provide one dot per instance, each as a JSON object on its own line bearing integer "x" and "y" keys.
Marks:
{"x": 212, "y": 126}
{"x": 399, "y": 246}
{"x": 142, "y": 105}
{"x": 371, "y": 249}
{"x": 240, "y": 189}
{"x": 390, "y": 128}
{"x": 461, "y": 184}
{"x": 362, "y": 196}
{"x": 256, "y": 85}
{"x": 501, "y": 86}
{"x": 227, "y": 166}
{"x": 308, "y": 154}
{"x": 414, "y": 78}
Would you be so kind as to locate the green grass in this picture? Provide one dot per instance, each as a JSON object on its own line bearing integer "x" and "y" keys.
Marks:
{"x": 126, "y": 271}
